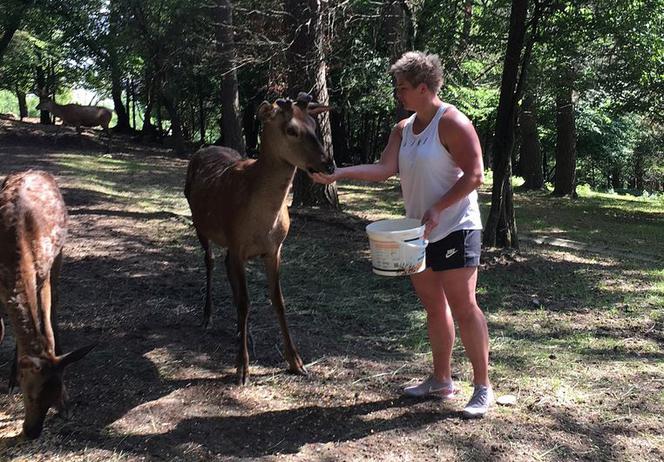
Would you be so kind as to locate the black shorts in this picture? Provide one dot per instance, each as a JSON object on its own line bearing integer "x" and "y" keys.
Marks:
{"x": 459, "y": 249}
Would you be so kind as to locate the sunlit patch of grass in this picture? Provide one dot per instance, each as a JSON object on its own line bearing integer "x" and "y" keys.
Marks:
{"x": 132, "y": 181}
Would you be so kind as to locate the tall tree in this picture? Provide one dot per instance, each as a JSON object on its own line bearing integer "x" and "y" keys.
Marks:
{"x": 307, "y": 71}
{"x": 500, "y": 229}
{"x": 565, "y": 179}
{"x": 530, "y": 158}
{"x": 230, "y": 102}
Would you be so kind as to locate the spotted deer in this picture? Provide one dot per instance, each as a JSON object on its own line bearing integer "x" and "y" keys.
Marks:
{"x": 33, "y": 228}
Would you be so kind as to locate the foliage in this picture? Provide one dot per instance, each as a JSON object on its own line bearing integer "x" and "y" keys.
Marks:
{"x": 19, "y": 62}
{"x": 163, "y": 49}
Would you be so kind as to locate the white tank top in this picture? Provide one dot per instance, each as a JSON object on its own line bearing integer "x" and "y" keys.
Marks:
{"x": 427, "y": 171}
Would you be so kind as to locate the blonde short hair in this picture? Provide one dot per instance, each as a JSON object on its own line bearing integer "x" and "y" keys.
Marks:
{"x": 417, "y": 67}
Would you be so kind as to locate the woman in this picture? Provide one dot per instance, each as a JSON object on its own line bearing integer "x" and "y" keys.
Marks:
{"x": 438, "y": 156}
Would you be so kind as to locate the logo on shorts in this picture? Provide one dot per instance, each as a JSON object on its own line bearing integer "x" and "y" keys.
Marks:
{"x": 450, "y": 252}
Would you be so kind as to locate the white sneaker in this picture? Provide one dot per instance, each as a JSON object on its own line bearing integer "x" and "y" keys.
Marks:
{"x": 431, "y": 387}
{"x": 479, "y": 403}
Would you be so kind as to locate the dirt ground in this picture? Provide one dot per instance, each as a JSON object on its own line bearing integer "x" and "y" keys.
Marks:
{"x": 160, "y": 387}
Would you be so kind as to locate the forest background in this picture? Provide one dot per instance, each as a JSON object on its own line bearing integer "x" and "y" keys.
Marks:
{"x": 561, "y": 93}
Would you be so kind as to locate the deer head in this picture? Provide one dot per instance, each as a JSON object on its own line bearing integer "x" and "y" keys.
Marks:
{"x": 292, "y": 130}
{"x": 41, "y": 382}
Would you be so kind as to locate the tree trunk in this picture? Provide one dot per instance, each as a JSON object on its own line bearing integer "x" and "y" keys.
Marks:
{"x": 133, "y": 103}
{"x": 616, "y": 178}
{"x": 339, "y": 141}
{"x": 128, "y": 101}
{"x": 308, "y": 73}
{"x": 149, "y": 129}
{"x": 397, "y": 32}
{"x": 230, "y": 102}
{"x": 176, "y": 123}
{"x": 639, "y": 170}
{"x": 250, "y": 124}
{"x": 22, "y": 104}
{"x": 202, "y": 116}
{"x": 531, "y": 149}
{"x": 565, "y": 140}
{"x": 122, "y": 124}
{"x": 500, "y": 228}
{"x": 40, "y": 78}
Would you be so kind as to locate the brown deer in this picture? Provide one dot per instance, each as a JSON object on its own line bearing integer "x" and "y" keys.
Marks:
{"x": 77, "y": 115}
{"x": 33, "y": 228}
{"x": 240, "y": 204}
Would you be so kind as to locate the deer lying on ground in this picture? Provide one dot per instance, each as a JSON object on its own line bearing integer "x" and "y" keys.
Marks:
{"x": 33, "y": 228}
{"x": 240, "y": 204}
{"x": 79, "y": 116}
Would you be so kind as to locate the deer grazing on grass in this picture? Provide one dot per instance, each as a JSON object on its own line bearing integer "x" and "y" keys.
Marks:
{"x": 240, "y": 204}
{"x": 78, "y": 116}
{"x": 33, "y": 228}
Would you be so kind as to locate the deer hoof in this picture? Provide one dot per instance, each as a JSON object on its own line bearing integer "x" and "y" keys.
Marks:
{"x": 242, "y": 378}
{"x": 298, "y": 369}
{"x": 64, "y": 414}
{"x": 207, "y": 324}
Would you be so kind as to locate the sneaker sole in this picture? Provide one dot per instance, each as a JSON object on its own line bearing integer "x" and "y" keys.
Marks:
{"x": 441, "y": 396}
{"x": 471, "y": 415}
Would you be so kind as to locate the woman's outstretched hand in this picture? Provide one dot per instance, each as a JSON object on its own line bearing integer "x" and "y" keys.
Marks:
{"x": 323, "y": 178}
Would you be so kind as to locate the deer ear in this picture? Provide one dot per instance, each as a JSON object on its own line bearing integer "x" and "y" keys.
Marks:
{"x": 314, "y": 109}
{"x": 66, "y": 359}
{"x": 264, "y": 111}
{"x": 286, "y": 105}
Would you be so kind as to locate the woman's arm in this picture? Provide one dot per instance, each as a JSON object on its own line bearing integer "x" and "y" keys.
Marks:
{"x": 380, "y": 171}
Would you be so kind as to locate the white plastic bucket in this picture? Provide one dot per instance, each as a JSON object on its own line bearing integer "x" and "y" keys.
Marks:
{"x": 397, "y": 246}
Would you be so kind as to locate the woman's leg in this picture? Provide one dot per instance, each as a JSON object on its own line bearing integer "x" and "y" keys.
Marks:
{"x": 459, "y": 286}
{"x": 440, "y": 325}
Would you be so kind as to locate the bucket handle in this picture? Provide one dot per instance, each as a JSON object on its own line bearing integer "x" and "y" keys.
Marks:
{"x": 415, "y": 246}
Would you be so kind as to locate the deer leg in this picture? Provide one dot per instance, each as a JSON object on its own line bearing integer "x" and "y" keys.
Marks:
{"x": 272, "y": 263}
{"x": 209, "y": 266}
{"x": 12, "y": 387}
{"x": 45, "y": 313}
{"x": 234, "y": 291}
{"x": 237, "y": 278}
{"x": 62, "y": 404}
{"x": 55, "y": 301}
{"x": 108, "y": 140}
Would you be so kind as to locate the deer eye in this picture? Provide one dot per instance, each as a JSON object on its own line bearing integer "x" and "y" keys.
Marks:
{"x": 291, "y": 131}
